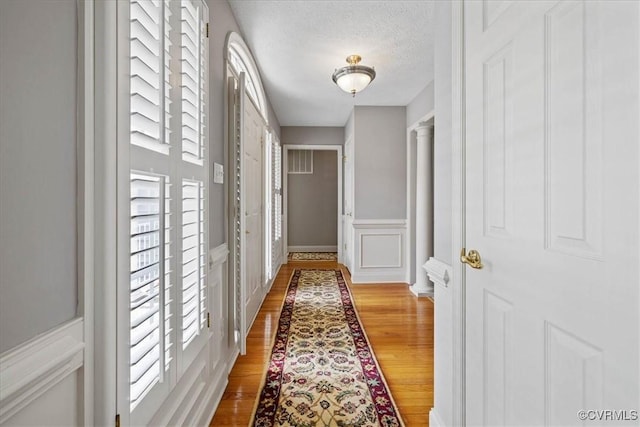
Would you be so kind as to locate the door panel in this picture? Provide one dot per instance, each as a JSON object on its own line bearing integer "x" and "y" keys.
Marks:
{"x": 552, "y": 318}
{"x": 252, "y": 168}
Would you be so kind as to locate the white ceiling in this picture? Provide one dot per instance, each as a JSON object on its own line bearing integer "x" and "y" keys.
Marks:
{"x": 299, "y": 43}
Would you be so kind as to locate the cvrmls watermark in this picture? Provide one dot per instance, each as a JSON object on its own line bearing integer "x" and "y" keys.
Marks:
{"x": 607, "y": 415}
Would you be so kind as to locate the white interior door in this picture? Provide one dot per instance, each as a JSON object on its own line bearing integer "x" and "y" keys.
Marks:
{"x": 252, "y": 252}
{"x": 552, "y": 207}
{"x": 348, "y": 204}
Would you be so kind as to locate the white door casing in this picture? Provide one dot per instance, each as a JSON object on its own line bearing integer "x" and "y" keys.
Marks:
{"x": 285, "y": 161}
{"x": 348, "y": 204}
{"x": 552, "y": 196}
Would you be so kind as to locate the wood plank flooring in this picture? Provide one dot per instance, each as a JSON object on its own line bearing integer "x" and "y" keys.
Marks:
{"x": 399, "y": 327}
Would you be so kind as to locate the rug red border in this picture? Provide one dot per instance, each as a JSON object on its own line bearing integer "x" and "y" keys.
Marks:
{"x": 266, "y": 406}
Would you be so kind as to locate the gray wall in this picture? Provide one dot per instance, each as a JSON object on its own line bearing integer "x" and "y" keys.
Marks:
{"x": 312, "y": 135}
{"x": 380, "y": 159}
{"x": 313, "y": 203}
{"x": 421, "y": 105}
{"x": 38, "y": 284}
{"x": 222, "y": 22}
{"x": 442, "y": 147}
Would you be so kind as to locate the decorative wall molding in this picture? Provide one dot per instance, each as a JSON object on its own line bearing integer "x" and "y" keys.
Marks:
{"x": 439, "y": 272}
{"x": 30, "y": 370}
{"x": 218, "y": 255}
{"x": 183, "y": 397}
{"x": 329, "y": 248}
{"x": 379, "y": 251}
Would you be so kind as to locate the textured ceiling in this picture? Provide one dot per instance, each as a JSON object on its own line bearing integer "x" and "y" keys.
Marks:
{"x": 299, "y": 43}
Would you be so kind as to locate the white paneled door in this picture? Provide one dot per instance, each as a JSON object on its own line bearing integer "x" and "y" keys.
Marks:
{"x": 552, "y": 208}
{"x": 253, "y": 126}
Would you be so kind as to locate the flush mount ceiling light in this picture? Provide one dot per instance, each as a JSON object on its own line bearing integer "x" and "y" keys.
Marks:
{"x": 353, "y": 78}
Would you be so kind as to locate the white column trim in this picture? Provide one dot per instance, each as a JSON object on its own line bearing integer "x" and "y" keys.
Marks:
{"x": 424, "y": 207}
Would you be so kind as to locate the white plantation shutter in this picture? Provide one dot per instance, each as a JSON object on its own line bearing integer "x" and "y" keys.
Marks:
{"x": 278, "y": 190}
{"x": 149, "y": 283}
{"x": 192, "y": 96}
{"x": 166, "y": 196}
{"x": 193, "y": 261}
{"x": 147, "y": 74}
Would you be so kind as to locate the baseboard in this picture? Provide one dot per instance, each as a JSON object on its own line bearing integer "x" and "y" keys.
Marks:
{"x": 313, "y": 248}
{"x": 210, "y": 403}
{"x": 434, "y": 419}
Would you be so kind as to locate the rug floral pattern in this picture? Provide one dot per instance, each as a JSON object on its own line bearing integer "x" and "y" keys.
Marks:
{"x": 313, "y": 256}
{"x": 322, "y": 371}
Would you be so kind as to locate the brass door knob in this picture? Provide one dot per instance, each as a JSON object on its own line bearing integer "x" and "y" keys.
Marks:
{"x": 473, "y": 258}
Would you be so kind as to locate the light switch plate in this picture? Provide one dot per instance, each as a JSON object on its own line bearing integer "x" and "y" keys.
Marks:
{"x": 218, "y": 173}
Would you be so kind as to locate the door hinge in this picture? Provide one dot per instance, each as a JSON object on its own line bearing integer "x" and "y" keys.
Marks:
{"x": 117, "y": 420}
{"x": 208, "y": 320}
{"x": 207, "y": 29}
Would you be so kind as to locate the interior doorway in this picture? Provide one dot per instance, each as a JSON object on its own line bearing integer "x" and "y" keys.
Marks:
{"x": 420, "y": 180}
{"x": 301, "y": 186}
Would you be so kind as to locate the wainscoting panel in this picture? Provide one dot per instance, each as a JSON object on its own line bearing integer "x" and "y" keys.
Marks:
{"x": 40, "y": 382}
{"x": 195, "y": 398}
{"x": 379, "y": 251}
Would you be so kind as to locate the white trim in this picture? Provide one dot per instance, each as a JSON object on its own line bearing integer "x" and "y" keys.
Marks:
{"x": 439, "y": 272}
{"x": 285, "y": 193}
{"x": 30, "y": 370}
{"x": 86, "y": 190}
{"x": 328, "y": 248}
{"x": 236, "y": 41}
{"x": 218, "y": 255}
{"x": 458, "y": 284}
{"x": 378, "y": 223}
{"x": 104, "y": 332}
{"x": 434, "y": 419}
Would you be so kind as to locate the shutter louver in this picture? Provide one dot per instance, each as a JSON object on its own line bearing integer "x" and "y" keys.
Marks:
{"x": 193, "y": 253}
{"x": 147, "y": 75}
{"x": 191, "y": 66}
{"x": 278, "y": 191}
{"x": 167, "y": 71}
{"x": 148, "y": 281}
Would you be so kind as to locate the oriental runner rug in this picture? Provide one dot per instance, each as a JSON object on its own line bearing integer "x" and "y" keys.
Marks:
{"x": 322, "y": 370}
{"x": 313, "y": 256}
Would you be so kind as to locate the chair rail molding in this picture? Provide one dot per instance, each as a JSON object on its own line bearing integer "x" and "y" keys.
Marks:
{"x": 36, "y": 367}
{"x": 439, "y": 272}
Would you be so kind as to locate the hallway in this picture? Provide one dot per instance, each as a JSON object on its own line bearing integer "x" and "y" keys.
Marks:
{"x": 400, "y": 330}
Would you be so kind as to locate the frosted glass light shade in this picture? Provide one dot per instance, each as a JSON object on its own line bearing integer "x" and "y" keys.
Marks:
{"x": 353, "y": 82}
{"x": 353, "y": 78}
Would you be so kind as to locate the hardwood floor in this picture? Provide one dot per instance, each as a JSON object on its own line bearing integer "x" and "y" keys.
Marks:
{"x": 399, "y": 327}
